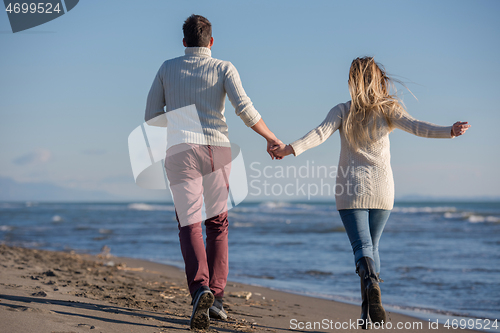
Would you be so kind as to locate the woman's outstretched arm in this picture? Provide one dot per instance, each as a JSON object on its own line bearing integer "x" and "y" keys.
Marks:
{"x": 317, "y": 135}
{"x": 428, "y": 130}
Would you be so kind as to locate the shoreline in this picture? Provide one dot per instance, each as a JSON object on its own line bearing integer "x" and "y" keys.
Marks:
{"x": 46, "y": 291}
{"x": 411, "y": 311}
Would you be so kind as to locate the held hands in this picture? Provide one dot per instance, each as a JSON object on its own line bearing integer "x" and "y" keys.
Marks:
{"x": 281, "y": 151}
{"x": 273, "y": 144}
{"x": 459, "y": 128}
{"x": 277, "y": 149}
{"x": 272, "y": 141}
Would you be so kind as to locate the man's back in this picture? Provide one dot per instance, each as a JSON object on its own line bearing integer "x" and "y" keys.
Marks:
{"x": 200, "y": 80}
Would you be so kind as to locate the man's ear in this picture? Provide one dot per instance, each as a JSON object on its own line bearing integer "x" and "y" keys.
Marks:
{"x": 211, "y": 42}
{"x": 184, "y": 42}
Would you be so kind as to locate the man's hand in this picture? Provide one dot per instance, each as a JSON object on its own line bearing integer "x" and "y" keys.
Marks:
{"x": 273, "y": 144}
{"x": 272, "y": 141}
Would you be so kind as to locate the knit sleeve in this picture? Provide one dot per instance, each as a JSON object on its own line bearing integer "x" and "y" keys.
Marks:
{"x": 242, "y": 104}
{"x": 319, "y": 134}
{"x": 421, "y": 128}
{"x": 155, "y": 112}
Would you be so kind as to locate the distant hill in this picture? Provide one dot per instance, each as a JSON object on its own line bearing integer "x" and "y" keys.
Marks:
{"x": 428, "y": 198}
{"x": 11, "y": 190}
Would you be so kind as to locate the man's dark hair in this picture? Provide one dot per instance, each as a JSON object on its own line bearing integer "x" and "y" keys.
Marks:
{"x": 197, "y": 31}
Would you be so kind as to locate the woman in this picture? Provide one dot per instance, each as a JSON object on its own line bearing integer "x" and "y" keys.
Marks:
{"x": 365, "y": 186}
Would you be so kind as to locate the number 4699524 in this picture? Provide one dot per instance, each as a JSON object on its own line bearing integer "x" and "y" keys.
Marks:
{"x": 478, "y": 324}
{"x": 41, "y": 8}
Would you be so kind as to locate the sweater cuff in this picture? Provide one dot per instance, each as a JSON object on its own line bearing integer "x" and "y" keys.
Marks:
{"x": 250, "y": 116}
{"x": 298, "y": 147}
{"x": 448, "y": 133}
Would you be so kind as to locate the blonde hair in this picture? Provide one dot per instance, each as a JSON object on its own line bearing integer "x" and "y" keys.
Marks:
{"x": 371, "y": 100}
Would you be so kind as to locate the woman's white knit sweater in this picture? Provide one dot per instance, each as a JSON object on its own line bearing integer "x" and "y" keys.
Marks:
{"x": 364, "y": 177}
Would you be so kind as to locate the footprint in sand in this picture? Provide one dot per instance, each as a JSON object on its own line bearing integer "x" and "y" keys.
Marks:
{"x": 40, "y": 294}
{"x": 86, "y": 325}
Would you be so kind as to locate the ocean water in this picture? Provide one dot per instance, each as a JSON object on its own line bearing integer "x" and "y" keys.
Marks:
{"x": 439, "y": 257}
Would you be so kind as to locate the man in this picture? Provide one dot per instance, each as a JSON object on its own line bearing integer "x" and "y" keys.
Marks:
{"x": 193, "y": 89}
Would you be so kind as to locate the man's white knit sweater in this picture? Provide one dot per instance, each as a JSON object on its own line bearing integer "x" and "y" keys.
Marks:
{"x": 364, "y": 177}
{"x": 200, "y": 80}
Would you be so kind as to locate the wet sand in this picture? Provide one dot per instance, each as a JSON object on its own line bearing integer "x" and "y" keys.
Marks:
{"x": 59, "y": 292}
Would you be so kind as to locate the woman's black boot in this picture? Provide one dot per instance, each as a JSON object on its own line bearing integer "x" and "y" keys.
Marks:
{"x": 364, "y": 306}
{"x": 366, "y": 271}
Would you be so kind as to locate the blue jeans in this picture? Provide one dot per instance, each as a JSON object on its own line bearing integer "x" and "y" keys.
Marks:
{"x": 364, "y": 228}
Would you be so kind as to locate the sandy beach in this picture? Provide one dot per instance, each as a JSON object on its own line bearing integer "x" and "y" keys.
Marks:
{"x": 44, "y": 291}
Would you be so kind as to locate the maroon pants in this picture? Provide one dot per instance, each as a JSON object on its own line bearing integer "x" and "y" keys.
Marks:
{"x": 199, "y": 174}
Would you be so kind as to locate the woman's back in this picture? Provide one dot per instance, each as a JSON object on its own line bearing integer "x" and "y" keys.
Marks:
{"x": 364, "y": 175}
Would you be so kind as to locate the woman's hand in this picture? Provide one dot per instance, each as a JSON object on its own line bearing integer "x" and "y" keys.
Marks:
{"x": 459, "y": 128}
{"x": 282, "y": 151}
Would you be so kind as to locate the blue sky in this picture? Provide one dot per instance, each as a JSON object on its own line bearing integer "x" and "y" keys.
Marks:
{"x": 74, "y": 88}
